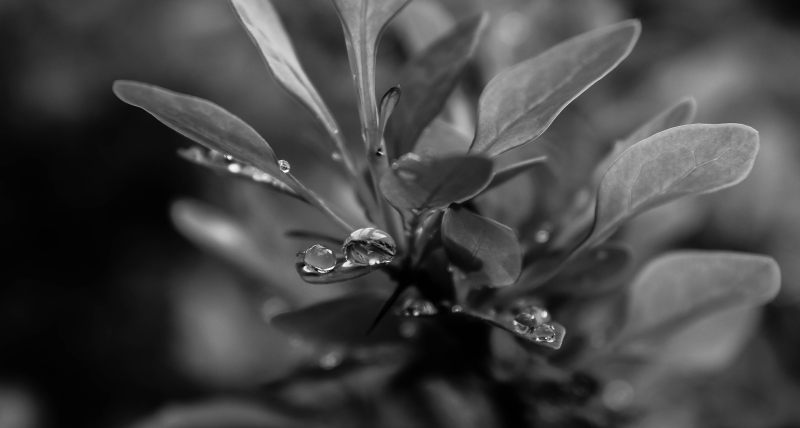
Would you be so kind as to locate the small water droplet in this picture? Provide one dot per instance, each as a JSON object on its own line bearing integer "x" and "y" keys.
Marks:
{"x": 228, "y": 158}
{"x": 369, "y": 247}
{"x": 456, "y": 309}
{"x": 544, "y": 333}
{"x": 380, "y": 152}
{"x": 235, "y": 168}
{"x": 319, "y": 259}
{"x": 414, "y": 307}
{"x": 617, "y": 394}
{"x": 284, "y": 166}
{"x": 529, "y": 317}
{"x": 332, "y": 359}
{"x": 542, "y": 236}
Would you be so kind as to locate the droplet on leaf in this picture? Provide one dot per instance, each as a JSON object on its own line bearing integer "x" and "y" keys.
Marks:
{"x": 456, "y": 309}
{"x": 414, "y": 307}
{"x": 528, "y": 318}
{"x": 228, "y": 158}
{"x": 544, "y": 333}
{"x": 369, "y": 246}
{"x": 319, "y": 259}
{"x": 284, "y": 166}
{"x": 235, "y": 168}
{"x": 542, "y": 236}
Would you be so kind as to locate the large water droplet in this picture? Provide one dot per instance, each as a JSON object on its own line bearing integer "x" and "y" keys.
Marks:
{"x": 319, "y": 259}
{"x": 369, "y": 246}
{"x": 528, "y": 318}
{"x": 544, "y": 333}
{"x": 417, "y": 308}
{"x": 284, "y": 166}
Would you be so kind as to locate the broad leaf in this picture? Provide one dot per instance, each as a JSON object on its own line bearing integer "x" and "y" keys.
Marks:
{"x": 264, "y": 26}
{"x": 218, "y": 233}
{"x": 363, "y": 22}
{"x": 202, "y": 121}
{"x": 441, "y": 139}
{"x": 593, "y": 273}
{"x": 521, "y": 102}
{"x": 217, "y": 162}
{"x": 686, "y": 160}
{"x": 429, "y": 79}
{"x": 481, "y": 247}
{"x": 342, "y": 321}
{"x": 677, "y": 289}
{"x": 679, "y": 114}
{"x": 419, "y": 183}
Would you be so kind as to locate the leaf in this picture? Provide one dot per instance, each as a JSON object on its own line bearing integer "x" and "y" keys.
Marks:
{"x": 418, "y": 183}
{"x": 363, "y": 22}
{"x": 678, "y": 289}
{"x": 343, "y": 271}
{"x": 342, "y": 321}
{"x": 215, "y": 161}
{"x": 679, "y": 114}
{"x": 265, "y": 28}
{"x": 521, "y": 102}
{"x": 686, "y": 160}
{"x": 504, "y": 322}
{"x": 215, "y": 231}
{"x": 480, "y": 245}
{"x": 441, "y": 139}
{"x": 388, "y": 104}
{"x": 505, "y": 174}
{"x": 203, "y": 122}
{"x": 429, "y": 79}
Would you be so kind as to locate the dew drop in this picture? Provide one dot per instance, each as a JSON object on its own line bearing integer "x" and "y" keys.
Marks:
{"x": 528, "y": 317}
{"x": 235, "y": 168}
{"x": 284, "y": 166}
{"x": 542, "y": 236}
{"x": 417, "y": 308}
{"x": 332, "y": 359}
{"x": 456, "y": 309}
{"x": 369, "y": 247}
{"x": 319, "y": 259}
{"x": 544, "y": 333}
{"x": 228, "y": 158}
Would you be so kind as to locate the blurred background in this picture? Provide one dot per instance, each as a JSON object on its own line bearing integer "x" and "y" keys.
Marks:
{"x": 107, "y": 314}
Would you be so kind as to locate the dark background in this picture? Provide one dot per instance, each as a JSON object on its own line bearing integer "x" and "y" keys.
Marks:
{"x": 90, "y": 256}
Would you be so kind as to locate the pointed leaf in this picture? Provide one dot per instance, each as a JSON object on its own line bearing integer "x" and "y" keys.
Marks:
{"x": 202, "y": 121}
{"x": 215, "y": 161}
{"x": 686, "y": 160}
{"x": 343, "y": 271}
{"x": 265, "y": 28}
{"x": 388, "y": 104}
{"x": 677, "y": 289}
{"x": 520, "y": 103}
{"x": 441, "y": 139}
{"x": 679, "y": 114}
{"x": 363, "y": 22}
{"x": 428, "y": 81}
{"x": 483, "y": 246}
{"x": 592, "y": 273}
{"x": 342, "y": 321}
{"x": 505, "y": 322}
{"x": 419, "y": 183}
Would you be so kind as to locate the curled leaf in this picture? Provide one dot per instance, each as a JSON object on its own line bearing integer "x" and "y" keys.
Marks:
{"x": 520, "y": 103}
{"x": 418, "y": 183}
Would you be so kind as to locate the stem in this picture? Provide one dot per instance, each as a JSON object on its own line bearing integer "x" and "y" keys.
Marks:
{"x": 314, "y": 199}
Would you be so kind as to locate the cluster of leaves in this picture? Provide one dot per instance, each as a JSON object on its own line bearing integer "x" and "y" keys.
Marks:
{"x": 457, "y": 273}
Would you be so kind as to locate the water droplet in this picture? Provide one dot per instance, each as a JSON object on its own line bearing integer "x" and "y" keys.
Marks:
{"x": 528, "y": 317}
{"x": 235, "y": 168}
{"x": 542, "y": 236}
{"x": 319, "y": 259}
{"x": 380, "y": 152}
{"x": 369, "y": 247}
{"x": 228, "y": 158}
{"x": 284, "y": 166}
{"x": 332, "y": 359}
{"x": 456, "y": 309}
{"x": 618, "y": 394}
{"x": 417, "y": 308}
{"x": 544, "y": 333}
